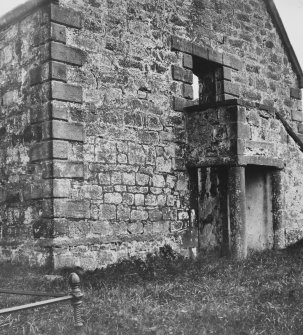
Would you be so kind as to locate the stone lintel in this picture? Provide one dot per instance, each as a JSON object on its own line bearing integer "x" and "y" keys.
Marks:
{"x": 260, "y": 161}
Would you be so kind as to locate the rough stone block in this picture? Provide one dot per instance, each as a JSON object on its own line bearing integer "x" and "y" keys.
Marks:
{"x": 139, "y": 199}
{"x": 61, "y": 227}
{"x": 41, "y": 190}
{"x": 57, "y": 71}
{"x": 65, "y": 16}
{"x": 158, "y": 180}
{"x": 123, "y": 212}
{"x": 232, "y": 61}
{"x": 61, "y": 169}
{"x": 102, "y": 228}
{"x": 58, "y": 33}
{"x": 148, "y": 137}
{"x": 142, "y": 179}
{"x": 231, "y": 88}
{"x": 66, "y": 92}
{"x": 62, "y": 130}
{"x": 179, "y": 44}
{"x": 139, "y": 215}
{"x": 188, "y": 91}
{"x": 62, "y": 53}
{"x": 300, "y": 136}
{"x": 113, "y": 198}
{"x": 71, "y": 208}
{"x": 226, "y": 73}
{"x": 39, "y": 74}
{"x": 296, "y": 93}
{"x": 155, "y": 215}
{"x": 300, "y": 128}
{"x": 188, "y": 61}
{"x": 180, "y": 103}
{"x": 243, "y": 131}
{"x": 61, "y": 188}
{"x": 128, "y": 178}
{"x": 59, "y": 110}
{"x": 151, "y": 200}
{"x": 297, "y": 115}
{"x": 48, "y": 71}
{"x": 169, "y": 213}
{"x": 107, "y": 212}
{"x": 48, "y": 111}
{"x": 181, "y": 74}
{"x": 51, "y": 188}
{"x": 48, "y": 150}
{"x": 41, "y": 36}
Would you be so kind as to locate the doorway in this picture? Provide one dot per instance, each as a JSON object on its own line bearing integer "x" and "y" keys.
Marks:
{"x": 259, "y": 215}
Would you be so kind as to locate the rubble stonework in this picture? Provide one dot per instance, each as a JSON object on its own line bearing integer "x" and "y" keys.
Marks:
{"x": 102, "y": 140}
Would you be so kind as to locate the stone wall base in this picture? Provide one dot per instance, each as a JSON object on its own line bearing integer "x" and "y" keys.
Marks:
{"x": 87, "y": 254}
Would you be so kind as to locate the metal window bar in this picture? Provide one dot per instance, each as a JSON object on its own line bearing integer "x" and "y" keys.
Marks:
{"x": 75, "y": 297}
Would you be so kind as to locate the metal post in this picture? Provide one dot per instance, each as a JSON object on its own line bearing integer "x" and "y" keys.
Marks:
{"x": 74, "y": 282}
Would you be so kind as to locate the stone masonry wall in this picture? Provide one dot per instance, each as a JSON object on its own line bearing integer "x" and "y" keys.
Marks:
{"x": 268, "y": 139}
{"x": 41, "y": 140}
{"x": 19, "y": 52}
{"x": 135, "y": 182}
{"x": 105, "y": 161}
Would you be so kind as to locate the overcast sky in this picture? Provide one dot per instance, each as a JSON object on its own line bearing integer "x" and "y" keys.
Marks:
{"x": 291, "y": 12}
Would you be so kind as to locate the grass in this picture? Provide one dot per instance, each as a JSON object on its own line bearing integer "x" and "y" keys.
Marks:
{"x": 168, "y": 294}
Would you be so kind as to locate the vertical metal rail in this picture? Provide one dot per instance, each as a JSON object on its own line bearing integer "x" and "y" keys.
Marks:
{"x": 74, "y": 282}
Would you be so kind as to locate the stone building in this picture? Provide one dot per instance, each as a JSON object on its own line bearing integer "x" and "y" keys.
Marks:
{"x": 129, "y": 124}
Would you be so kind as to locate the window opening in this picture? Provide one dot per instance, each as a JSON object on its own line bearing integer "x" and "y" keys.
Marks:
{"x": 207, "y": 81}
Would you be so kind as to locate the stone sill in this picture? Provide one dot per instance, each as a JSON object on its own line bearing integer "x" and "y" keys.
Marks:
{"x": 201, "y": 108}
{"x": 231, "y": 102}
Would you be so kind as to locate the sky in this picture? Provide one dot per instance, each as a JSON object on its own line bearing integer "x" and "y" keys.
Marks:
{"x": 291, "y": 12}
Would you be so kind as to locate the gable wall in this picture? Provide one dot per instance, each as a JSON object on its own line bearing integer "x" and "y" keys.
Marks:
{"x": 134, "y": 196}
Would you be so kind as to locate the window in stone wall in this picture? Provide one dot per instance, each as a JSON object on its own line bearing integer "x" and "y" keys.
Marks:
{"x": 207, "y": 83}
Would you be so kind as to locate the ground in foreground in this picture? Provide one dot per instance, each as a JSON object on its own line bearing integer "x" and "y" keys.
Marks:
{"x": 169, "y": 295}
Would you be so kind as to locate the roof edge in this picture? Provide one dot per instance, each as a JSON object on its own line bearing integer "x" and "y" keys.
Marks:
{"x": 285, "y": 39}
{"x": 21, "y": 11}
